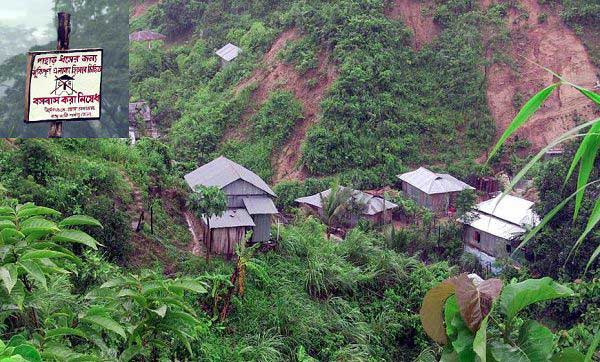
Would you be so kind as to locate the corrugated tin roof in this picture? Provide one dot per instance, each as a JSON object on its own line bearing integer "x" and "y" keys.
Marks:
{"x": 260, "y": 206}
{"x": 433, "y": 183}
{"x": 374, "y": 204}
{"x": 512, "y": 209}
{"x": 231, "y": 218}
{"x": 222, "y": 172}
{"x": 229, "y": 52}
{"x": 495, "y": 226}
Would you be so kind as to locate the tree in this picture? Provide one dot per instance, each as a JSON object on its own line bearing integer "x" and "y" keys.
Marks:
{"x": 237, "y": 281}
{"x": 207, "y": 202}
{"x": 465, "y": 201}
{"x": 338, "y": 206}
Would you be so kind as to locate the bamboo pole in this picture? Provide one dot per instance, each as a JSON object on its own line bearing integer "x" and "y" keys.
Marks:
{"x": 64, "y": 31}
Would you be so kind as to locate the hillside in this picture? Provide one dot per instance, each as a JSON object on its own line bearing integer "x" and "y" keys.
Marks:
{"x": 531, "y": 32}
{"x": 540, "y": 36}
{"x": 189, "y": 244}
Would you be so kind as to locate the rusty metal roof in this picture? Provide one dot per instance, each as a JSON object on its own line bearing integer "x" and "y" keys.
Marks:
{"x": 222, "y": 172}
{"x": 433, "y": 183}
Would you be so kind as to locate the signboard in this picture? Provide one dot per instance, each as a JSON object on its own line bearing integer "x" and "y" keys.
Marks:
{"x": 63, "y": 85}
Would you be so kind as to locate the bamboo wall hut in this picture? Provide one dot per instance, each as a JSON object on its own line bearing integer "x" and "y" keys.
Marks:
{"x": 435, "y": 191}
{"x": 496, "y": 223}
{"x": 249, "y": 201}
{"x": 373, "y": 211}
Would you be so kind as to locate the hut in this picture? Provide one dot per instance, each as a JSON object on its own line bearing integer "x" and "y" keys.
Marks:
{"x": 249, "y": 202}
{"x": 147, "y": 36}
{"x": 228, "y": 53}
{"x": 435, "y": 191}
{"x": 553, "y": 153}
{"x": 373, "y": 210}
{"x": 496, "y": 223}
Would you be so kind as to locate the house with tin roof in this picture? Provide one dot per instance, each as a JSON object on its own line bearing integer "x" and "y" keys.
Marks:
{"x": 376, "y": 209}
{"x": 435, "y": 191}
{"x": 249, "y": 204}
{"x": 228, "y": 53}
{"x": 496, "y": 225}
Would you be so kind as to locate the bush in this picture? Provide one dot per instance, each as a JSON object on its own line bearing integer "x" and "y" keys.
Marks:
{"x": 116, "y": 231}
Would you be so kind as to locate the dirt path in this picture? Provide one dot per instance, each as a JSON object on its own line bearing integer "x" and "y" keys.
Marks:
{"x": 137, "y": 207}
{"x": 411, "y": 13}
{"x": 197, "y": 245}
{"x": 553, "y": 45}
{"x": 308, "y": 88}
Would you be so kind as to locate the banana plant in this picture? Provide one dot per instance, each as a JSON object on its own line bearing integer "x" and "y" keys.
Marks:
{"x": 583, "y": 160}
{"x": 458, "y": 314}
{"x": 155, "y": 311}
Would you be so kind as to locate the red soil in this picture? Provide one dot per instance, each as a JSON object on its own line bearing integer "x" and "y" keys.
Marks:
{"x": 277, "y": 75}
{"x": 140, "y": 8}
{"x": 555, "y": 46}
{"x": 411, "y": 13}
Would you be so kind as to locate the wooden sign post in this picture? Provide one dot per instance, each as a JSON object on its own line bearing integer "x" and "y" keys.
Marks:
{"x": 63, "y": 84}
{"x": 62, "y": 43}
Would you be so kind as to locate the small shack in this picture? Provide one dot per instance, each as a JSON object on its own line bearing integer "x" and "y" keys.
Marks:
{"x": 496, "y": 223}
{"x": 147, "y": 36}
{"x": 249, "y": 201}
{"x": 138, "y": 109}
{"x": 228, "y": 53}
{"x": 373, "y": 211}
{"x": 435, "y": 191}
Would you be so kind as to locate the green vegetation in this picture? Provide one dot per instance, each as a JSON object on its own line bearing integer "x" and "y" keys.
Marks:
{"x": 476, "y": 327}
{"x": 84, "y": 277}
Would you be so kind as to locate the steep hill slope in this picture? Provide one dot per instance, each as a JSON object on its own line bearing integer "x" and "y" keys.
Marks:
{"x": 308, "y": 88}
{"x": 412, "y": 13}
{"x": 538, "y": 34}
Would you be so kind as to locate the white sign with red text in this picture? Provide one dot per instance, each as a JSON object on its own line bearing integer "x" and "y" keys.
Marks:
{"x": 63, "y": 85}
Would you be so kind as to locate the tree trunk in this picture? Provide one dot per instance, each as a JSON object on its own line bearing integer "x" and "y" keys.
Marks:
{"x": 233, "y": 281}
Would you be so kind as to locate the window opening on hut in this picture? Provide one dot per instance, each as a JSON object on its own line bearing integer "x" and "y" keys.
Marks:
{"x": 477, "y": 237}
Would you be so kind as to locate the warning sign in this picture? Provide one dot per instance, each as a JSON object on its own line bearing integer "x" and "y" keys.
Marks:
{"x": 63, "y": 85}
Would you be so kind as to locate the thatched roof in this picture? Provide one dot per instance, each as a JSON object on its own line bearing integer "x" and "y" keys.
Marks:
{"x": 146, "y": 35}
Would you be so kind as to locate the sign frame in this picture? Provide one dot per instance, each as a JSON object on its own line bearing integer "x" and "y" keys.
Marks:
{"x": 31, "y": 59}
